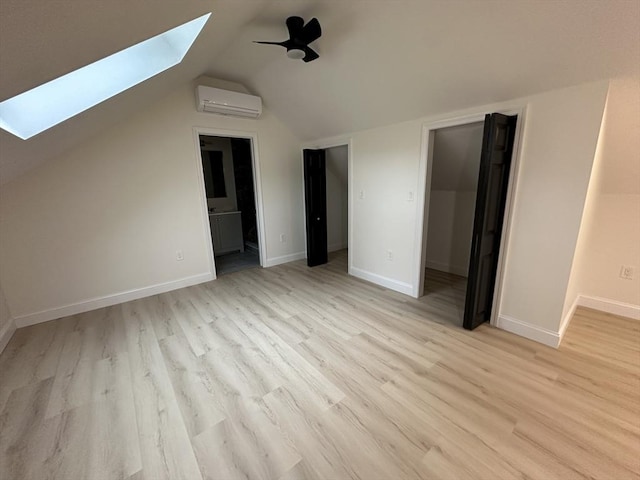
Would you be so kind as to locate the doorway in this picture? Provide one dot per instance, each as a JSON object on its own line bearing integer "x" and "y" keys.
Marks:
{"x": 467, "y": 191}
{"x": 228, "y": 167}
{"x": 452, "y": 200}
{"x": 338, "y": 205}
{"x": 326, "y": 183}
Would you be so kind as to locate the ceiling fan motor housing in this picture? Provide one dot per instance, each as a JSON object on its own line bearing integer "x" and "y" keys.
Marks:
{"x": 300, "y": 36}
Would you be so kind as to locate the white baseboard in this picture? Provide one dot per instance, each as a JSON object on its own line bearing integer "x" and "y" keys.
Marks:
{"x": 272, "y": 262}
{"x": 334, "y": 247}
{"x": 552, "y": 338}
{"x": 106, "y": 301}
{"x": 532, "y": 332}
{"x": 445, "y": 267}
{"x": 6, "y": 333}
{"x": 386, "y": 282}
{"x": 610, "y": 306}
{"x": 564, "y": 324}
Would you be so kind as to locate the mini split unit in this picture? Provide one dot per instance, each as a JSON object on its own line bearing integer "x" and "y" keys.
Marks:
{"x": 225, "y": 102}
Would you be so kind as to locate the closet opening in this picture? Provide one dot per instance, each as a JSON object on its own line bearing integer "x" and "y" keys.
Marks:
{"x": 467, "y": 192}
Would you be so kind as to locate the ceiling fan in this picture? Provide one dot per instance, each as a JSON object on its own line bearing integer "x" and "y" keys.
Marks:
{"x": 300, "y": 36}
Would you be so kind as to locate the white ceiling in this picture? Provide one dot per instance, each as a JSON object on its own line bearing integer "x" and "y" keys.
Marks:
{"x": 381, "y": 61}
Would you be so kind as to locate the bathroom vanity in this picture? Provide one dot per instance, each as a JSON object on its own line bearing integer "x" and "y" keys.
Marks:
{"x": 226, "y": 232}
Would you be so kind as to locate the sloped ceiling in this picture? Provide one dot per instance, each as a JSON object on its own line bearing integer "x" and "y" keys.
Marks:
{"x": 381, "y": 61}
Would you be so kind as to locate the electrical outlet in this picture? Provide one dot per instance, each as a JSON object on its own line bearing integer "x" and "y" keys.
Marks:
{"x": 283, "y": 238}
{"x": 410, "y": 196}
{"x": 626, "y": 272}
{"x": 179, "y": 255}
{"x": 361, "y": 195}
{"x": 389, "y": 255}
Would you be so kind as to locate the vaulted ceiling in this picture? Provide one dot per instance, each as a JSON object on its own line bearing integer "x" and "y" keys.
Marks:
{"x": 380, "y": 62}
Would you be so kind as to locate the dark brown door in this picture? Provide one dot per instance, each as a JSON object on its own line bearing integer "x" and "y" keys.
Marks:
{"x": 315, "y": 193}
{"x": 495, "y": 161}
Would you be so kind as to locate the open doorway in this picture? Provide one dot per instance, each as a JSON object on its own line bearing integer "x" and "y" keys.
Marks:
{"x": 228, "y": 173}
{"x": 338, "y": 205}
{"x": 452, "y": 200}
{"x": 326, "y": 181}
{"x": 463, "y": 226}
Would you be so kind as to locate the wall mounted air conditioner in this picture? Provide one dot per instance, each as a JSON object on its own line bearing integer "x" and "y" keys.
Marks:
{"x": 226, "y": 102}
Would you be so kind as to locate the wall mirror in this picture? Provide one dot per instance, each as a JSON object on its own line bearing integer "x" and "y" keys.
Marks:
{"x": 214, "y": 180}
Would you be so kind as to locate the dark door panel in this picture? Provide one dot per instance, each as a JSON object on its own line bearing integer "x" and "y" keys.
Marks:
{"x": 495, "y": 163}
{"x": 315, "y": 183}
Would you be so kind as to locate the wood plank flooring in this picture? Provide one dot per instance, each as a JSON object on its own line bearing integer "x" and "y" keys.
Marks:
{"x": 448, "y": 291}
{"x": 293, "y": 373}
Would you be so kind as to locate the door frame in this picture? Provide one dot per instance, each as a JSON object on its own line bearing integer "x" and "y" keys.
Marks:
{"x": 424, "y": 194}
{"x": 325, "y": 144}
{"x": 257, "y": 188}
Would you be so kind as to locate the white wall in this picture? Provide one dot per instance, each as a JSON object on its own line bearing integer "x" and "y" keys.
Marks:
{"x": 454, "y": 180}
{"x": 450, "y": 230}
{"x": 557, "y": 151}
{"x": 118, "y": 206}
{"x": 610, "y": 230}
{"x": 337, "y": 197}
{"x": 108, "y": 216}
{"x": 385, "y": 166}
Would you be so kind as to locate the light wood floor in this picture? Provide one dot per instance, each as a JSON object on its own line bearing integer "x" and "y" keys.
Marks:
{"x": 296, "y": 373}
{"x": 447, "y": 290}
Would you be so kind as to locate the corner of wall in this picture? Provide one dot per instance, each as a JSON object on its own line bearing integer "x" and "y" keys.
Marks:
{"x": 390, "y": 283}
{"x": 108, "y": 300}
{"x": 609, "y": 219}
{"x": 566, "y": 319}
{"x": 279, "y": 260}
{"x": 7, "y": 323}
{"x": 6, "y": 332}
{"x": 527, "y": 330}
{"x": 553, "y": 181}
{"x": 574, "y": 284}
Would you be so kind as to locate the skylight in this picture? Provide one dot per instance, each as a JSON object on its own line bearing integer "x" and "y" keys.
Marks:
{"x": 41, "y": 108}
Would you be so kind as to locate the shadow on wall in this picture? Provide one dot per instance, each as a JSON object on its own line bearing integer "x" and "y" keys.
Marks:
{"x": 337, "y": 197}
{"x": 462, "y": 231}
{"x": 455, "y": 169}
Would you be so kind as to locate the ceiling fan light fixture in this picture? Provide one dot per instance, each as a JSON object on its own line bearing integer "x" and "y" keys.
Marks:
{"x": 295, "y": 53}
{"x": 300, "y": 36}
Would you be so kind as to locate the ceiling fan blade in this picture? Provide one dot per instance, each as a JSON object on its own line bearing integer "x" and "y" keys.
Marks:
{"x": 310, "y": 32}
{"x": 310, "y": 55}
{"x": 294, "y": 25}
{"x": 286, "y": 44}
{"x": 270, "y": 43}
{"x": 300, "y": 37}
